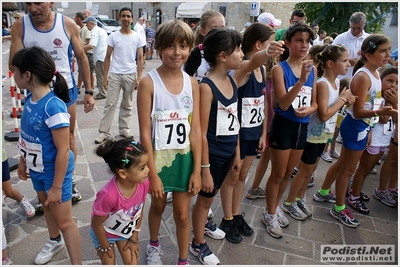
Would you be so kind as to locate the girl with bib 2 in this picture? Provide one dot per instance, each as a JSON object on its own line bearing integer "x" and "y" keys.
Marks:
{"x": 118, "y": 208}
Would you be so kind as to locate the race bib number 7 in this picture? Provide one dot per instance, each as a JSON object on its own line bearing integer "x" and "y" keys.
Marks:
{"x": 303, "y": 98}
{"x": 227, "y": 120}
{"x": 172, "y": 130}
{"x": 32, "y": 154}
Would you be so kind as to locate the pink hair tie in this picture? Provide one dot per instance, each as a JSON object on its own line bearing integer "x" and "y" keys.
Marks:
{"x": 200, "y": 46}
{"x": 55, "y": 72}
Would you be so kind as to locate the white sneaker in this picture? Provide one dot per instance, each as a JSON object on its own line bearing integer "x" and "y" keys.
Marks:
{"x": 294, "y": 211}
{"x": 339, "y": 139}
{"x": 210, "y": 214}
{"x": 211, "y": 229}
{"x": 272, "y": 225}
{"x": 325, "y": 156}
{"x": 27, "y": 207}
{"x": 153, "y": 255}
{"x": 203, "y": 253}
{"x": 334, "y": 154}
{"x": 102, "y": 138}
{"x": 282, "y": 220}
{"x": 50, "y": 249}
{"x": 170, "y": 197}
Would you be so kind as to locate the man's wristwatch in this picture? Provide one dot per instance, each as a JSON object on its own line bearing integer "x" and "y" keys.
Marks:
{"x": 89, "y": 92}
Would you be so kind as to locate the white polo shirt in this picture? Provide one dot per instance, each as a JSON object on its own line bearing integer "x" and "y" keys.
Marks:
{"x": 98, "y": 38}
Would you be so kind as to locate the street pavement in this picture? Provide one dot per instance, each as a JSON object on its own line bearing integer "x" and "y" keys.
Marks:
{"x": 300, "y": 245}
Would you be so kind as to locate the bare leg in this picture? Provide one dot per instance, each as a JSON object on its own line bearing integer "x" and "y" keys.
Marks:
{"x": 199, "y": 217}
{"x": 261, "y": 168}
{"x": 181, "y": 205}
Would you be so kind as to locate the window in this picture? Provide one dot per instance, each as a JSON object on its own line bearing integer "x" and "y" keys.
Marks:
{"x": 115, "y": 14}
{"x": 222, "y": 10}
{"x": 140, "y": 12}
{"x": 394, "y": 20}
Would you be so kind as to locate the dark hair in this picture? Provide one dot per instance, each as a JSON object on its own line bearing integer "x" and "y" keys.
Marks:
{"x": 344, "y": 82}
{"x": 121, "y": 154}
{"x": 40, "y": 63}
{"x": 218, "y": 40}
{"x": 314, "y": 50}
{"x": 173, "y": 30}
{"x": 388, "y": 70}
{"x": 300, "y": 26}
{"x": 333, "y": 35}
{"x": 370, "y": 45}
{"x": 80, "y": 15}
{"x": 298, "y": 13}
{"x": 255, "y": 32}
{"x": 126, "y": 9}
{"x": 202, "y": 24}
{"x": 322, "y": 32}
{"x": 330, "y": 52}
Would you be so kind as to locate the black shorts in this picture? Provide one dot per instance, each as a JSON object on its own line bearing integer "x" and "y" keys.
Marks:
{"x": 285, "y": 134}
{"x": 219, "y": 168}
{"x": 248, "y": 148}
{"x": 5, "y": 171}
{"x": 311, "y": 153}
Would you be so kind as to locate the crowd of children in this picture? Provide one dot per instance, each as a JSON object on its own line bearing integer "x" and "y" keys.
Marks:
{"x": 199, "y": 135}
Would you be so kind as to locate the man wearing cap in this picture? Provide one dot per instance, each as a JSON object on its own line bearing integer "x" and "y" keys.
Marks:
{"x": 297, "y": 15}
{"x": 98, "y": 43}
{"x": 269, "y": 19}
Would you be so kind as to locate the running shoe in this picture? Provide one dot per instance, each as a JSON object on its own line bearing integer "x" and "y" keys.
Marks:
{"x": 203, "y": 253}
{"x": 325, "y": 156}
{"x": 334, "y": 154}
{"x": 385, "y": 197}
{"x": 27, "y": 207}
{"x": 50, "y": 249}
{"x": 231, "y": 231}
{"x": 169, "y": 197}
{"x": 394, "y": 193}
{"x": 339, "y": 139}
{"x": 242, "y": 226}
{"x": 76, "y": 196}
{"x": 272, "y": 225}
{"x": 154, "y": 255}
{"x": 295, "y": 171}
{"x": 331, "y": 198}
{"x": 311, "y": 182}
{"x": 211, "y": 229}
{"x": 282, "y": 220}
{"x": 373, "y": 171}
{"x": 364, "y": 198}
{"x": 294, "y": 211}
{"x": 345, "y": 217}
{"x": 255, "y": 193}
{"x": 303, "y": 207}
{"x": 358, "y": 205}
{"x": 38, "y": 205}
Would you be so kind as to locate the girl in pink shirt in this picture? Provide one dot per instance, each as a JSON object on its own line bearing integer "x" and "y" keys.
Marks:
{"x": 118, "y": 208}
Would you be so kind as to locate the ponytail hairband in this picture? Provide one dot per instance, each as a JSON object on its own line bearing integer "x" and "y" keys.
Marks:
{"x": 55, "y": 72}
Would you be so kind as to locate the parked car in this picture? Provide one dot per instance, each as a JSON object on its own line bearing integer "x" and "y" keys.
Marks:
{"x": 106, "y": 28}
{"x": 112, "y": 24}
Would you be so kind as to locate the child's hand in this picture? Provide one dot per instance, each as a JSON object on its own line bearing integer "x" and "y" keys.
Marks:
{"x": 391, "y": 96}
{"x": 207, "y": 182}
{"x": 105, "y": 256}
{"x": 387, "y": 110}
{"x": 194, "y": 184}
{"x": 301, "y": 112}
{"x": 23, "y": 173}
{"x": 345, "y": 93}
{"x": 275, "y": 49}
{"x": 53, "y": 196}
{"x": 306, "y": 70}
{"x": 351, "y": 99}
{"x": 156, "y": 188}
{"x": 134, "y": 248}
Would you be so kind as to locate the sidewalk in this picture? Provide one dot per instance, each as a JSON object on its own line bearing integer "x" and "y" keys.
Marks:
{"x": 300, "y": 245}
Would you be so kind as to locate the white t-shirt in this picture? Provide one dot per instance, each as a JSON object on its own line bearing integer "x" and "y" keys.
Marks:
{"x": 124, "y": 51}
{"x": 98, "y": 39}
{"x": 140, "y": 30}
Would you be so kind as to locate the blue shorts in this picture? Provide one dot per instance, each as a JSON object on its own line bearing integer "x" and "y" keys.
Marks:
{"x": 354, "y": 133}
{"x": 5, "y": 171}
{"x": 248, "y": 148}
{"x": 111, "y": 240}
{"x": 73, "y": 95}
{"x": 42, "y": 182}
{"x": 219, "y": 168}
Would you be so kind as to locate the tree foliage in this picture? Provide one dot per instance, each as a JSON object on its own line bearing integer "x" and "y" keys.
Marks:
{"x": 336, "y": 15}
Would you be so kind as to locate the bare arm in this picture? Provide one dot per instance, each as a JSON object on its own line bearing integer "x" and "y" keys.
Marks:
{"x": 107, "y": 61}
{"x": 16, "y": 42}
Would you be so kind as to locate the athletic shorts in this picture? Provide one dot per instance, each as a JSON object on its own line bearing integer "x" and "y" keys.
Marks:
{"x": 73, "y": 96}
{"x": 311, "y": 153}
{"x": 354, "y": 133}
{"x": 43, "y": 184}
{"x": 6, "y": 171}
{"x": 375, "y": 150}
{"x": 248, "y": 148}
{"x": 285, "y": 134}
{"x": 96, "y": 242}
{"x": 219, "y": 168}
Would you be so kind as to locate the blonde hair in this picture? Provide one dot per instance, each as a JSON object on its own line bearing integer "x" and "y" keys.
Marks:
{"x": 328, "y": 40}
{"x": 202, "y": 24}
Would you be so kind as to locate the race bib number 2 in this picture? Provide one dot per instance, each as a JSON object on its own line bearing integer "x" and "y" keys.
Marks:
{"x": 32, "y": 154}
{"x": 227, "y": 120}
